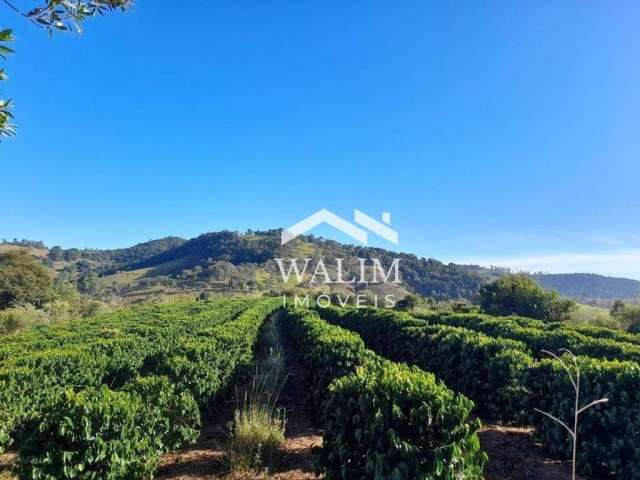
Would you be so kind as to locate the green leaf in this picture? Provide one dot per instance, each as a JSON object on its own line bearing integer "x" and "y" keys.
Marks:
{"x": 5, "y": 51}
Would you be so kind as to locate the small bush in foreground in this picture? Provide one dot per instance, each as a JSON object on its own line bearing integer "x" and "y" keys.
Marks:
{"x": 258, "y": 432}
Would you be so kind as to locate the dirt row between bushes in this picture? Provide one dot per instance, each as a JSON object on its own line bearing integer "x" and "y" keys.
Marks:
{"x": 514, "y": 456}
{"x": 207, "y": 459}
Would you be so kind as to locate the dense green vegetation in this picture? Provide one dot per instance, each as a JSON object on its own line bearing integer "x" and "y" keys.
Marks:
{"x": 139, "y": 380}
{"x": 609, "y": 435}
{"x": 380, "y": 419}
{"x": 426, "y": 276}
{"x": 486, "y": 370}
{"x": 227, "y": 261}
{"x": 31, "y": 295}
{"x": 507, "y": 382}
{"x": 540, "y": 336}
{"x": 128, "y": 385}
{"x": 521, "y": 295}
{"x": 136, "y": 383}
{"x": 23, "y": 280}
{"x": 109, "y": 261}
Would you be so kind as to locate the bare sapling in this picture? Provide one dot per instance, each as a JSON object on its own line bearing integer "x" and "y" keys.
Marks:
{"x": 575, "y": 381}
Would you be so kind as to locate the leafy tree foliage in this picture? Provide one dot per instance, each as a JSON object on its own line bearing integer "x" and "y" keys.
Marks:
{"x": 53, "y": 15}
{"x": 56, "y": 254}
{"x": 521, "y": 295}
{"x": 122, "y": 258}
{"x": 408, "y": 303}
{"x": 627, "y": 314}
{"x": 71, "y": 255}
{"x": 88, "y": 282}
{"x": 26, "y": 243}
{"x": 23, "y": 280}
{"x": 69, "y": 15}
{"x": 6, "y": 128}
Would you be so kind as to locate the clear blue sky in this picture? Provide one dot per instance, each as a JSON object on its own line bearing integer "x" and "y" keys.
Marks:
{"x": 497, "y": 132}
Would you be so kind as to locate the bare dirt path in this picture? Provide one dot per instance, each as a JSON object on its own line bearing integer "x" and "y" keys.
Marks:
{"x": 297, "y": 457}
{"x": 514, "y": 456}
{"x": 206, "y": 459}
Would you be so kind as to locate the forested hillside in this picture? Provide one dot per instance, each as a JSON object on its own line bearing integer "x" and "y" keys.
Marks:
{"x": 230, "y": 261}
{"x": 108, "y": 261}
{"x": 211, "y": 253}
{"x": 587, "y": 286}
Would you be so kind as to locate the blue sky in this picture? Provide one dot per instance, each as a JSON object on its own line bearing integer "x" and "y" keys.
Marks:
{"x": 494, "y": 132}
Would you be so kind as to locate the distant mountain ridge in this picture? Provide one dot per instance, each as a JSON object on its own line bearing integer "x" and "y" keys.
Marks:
{"x": 587, "y": 286}
{"x": 229, "y": 260}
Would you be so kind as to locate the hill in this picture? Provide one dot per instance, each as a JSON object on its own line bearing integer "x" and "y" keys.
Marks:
{"x": 229, "y": 261}
{"x": 247, "y": 262}
{"x": 121, "y": 258}
{"x": 589, "y": 286}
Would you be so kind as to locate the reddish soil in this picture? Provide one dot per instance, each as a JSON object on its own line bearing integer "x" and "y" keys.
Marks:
{"x": 207, "y": 460}
{"x": 514, "y": 456}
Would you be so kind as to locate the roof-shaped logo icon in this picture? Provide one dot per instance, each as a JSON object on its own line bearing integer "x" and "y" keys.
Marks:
{"x": 381, "y": 229}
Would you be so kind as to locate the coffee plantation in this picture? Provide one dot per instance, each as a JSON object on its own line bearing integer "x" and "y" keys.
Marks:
{"x": 395, "y": 396}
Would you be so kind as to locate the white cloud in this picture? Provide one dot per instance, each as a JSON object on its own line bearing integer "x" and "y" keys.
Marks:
{"x": 624, "y": 263}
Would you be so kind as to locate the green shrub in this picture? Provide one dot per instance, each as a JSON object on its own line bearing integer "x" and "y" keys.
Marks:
{"x": 101, "y": 434}
{"x": 18, "y": 318}
{"x": 609, "y": 434}
{"x": 173, "y": 415}
{"x": 401, "y": 423}
{"x": 325, "y": 351}
{"x": 519, "y": 294}
{"x": 96, "y": 434}
{"x": 257, "y": 433}
{"x": 23, "y": 280}
{"x": 605, "y": 333}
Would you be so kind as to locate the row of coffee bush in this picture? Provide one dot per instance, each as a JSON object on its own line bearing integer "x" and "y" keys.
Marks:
{"x": 602, "y": 332}
{"x": 485, "y": 369}
{"x": 110, "y": 396}
{"x": 539, "y": 339}
{"x": 109, "y": 350}
{"x": 584, "y": 329}
{"x": 477, "y": 365}
{"x": 143, "y": 323}
{"x": 381, "y": 419}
